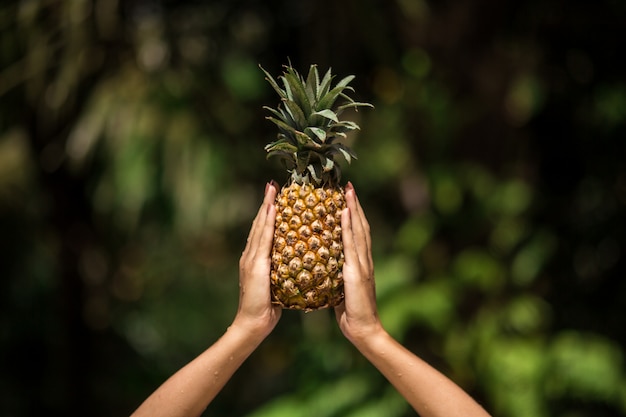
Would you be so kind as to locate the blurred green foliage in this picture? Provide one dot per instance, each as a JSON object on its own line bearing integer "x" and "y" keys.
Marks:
{"x": 491, "y": 170}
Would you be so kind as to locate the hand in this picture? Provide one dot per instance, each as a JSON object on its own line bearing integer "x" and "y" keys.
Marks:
{"x": 256, "y": 313}
{"x": 357, "y": 315}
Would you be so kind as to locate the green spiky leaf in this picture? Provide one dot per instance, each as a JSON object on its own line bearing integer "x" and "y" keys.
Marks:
{"x": 305, "y": 141}
{"x": 346, "y": 152}
{"x": 324, "y": 85}
{"x": 328, "y": 114}
{"x": 318, "y": 132}
{"x": 328, "y": 100}
{"x": 327, "y": 163}
{"x": 353, "y": 104}
{"x": 273, "y": 83}
{"x": 281, "y": 145}
{"x": 282, "y": 125}
{"x": 298, "y": 93}
{"x": 296, "y": 113}
{"x": 316, "y": 176}
{"x": 312, "y": 84}
{"x": 309, "y": 124}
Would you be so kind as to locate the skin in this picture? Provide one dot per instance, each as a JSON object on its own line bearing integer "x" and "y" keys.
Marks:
{"x": 190, "y": 390}
{"x": 430, "y": 393}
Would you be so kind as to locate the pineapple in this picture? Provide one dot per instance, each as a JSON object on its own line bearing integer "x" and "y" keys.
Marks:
{"x": 307, "y": 255}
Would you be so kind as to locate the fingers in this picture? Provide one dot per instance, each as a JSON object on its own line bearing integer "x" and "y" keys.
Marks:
{"x": 262, "y": 222}
{"x": 255, "y": 312}
{"x": 358, "y": 311}
{"x": 355, "y": 270}
{"x": 347, "y": 237}
{"x": 266, "y": 223}
{"x": 267, "y": 232}
{"x": 360, "y": 226}
{"x": 364, "y": 223}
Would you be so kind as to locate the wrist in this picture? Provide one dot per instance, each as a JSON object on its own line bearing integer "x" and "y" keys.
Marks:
{"x": 374, "y": 341}
{"x": 253, "y": 328}
{"x": 245, "y": 335}
{"x": 365, "y": 336}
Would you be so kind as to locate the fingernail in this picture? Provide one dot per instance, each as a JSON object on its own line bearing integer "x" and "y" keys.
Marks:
{"x": 267, "y": 187}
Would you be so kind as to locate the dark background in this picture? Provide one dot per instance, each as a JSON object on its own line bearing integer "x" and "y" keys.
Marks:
{"x": 491, "y": 170}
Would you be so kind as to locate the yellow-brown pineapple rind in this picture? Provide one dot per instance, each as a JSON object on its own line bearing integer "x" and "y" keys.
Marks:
{"x": 307, "y": 255}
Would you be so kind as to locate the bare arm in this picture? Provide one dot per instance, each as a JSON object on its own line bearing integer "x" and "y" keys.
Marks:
{"x": 189, "y": 391}
{"x": 430, "y": 393}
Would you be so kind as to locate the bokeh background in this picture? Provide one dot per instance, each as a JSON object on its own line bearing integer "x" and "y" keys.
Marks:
{"x": 491, "y": 169}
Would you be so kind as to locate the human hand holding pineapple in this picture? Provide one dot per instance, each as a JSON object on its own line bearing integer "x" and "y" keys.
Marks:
{"x": 429, "y": 392}
{"x": 256, "y": 314}
{"x": 357, "y": 316}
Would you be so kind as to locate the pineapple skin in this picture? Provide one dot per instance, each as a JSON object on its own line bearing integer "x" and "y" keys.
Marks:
{"x": 307, "y": 254}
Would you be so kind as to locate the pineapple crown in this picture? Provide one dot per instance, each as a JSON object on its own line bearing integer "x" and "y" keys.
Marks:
{"x": 309, "y": 125}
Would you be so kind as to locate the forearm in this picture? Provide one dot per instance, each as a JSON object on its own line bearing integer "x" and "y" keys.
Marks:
{"x": 189, "y": 391}
{"x": 428, "y": 391}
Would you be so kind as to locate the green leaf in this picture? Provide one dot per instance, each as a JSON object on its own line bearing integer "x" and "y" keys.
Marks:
{"x": 324, "y": 86}
{"x": 273, "y": 83}
{"x": 346, "y": 152}
{"x": 331, "y": 136}
{"x": 282, "y": 125}
{"x": 312, "y": 83}
{"x": 317, "y": 132}
{"x": 347, "y": 97}
{"x": 297, "y": 92}
{"x": 354, "y": 104}
{"x": 288, "y": 92}
{"x": 326, "y": 113}
{"x": 327, "y": 101}
{"x": 327, "y": 163}
{"x": 314, "y": 174}
{"x": 306, "y": 141}
{"x": 343, "y": 126}
{"x": 302, "y": 161}
{"x": 296, "y": 113}
{"x": 281, "y": 145}
{"x": 278, "y": 113}
{"x": 345, "y": 81}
